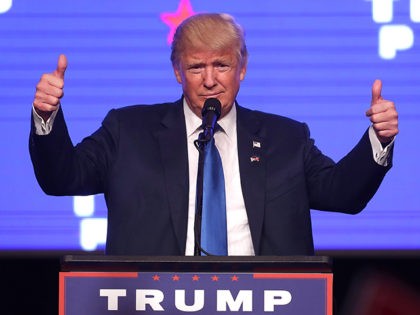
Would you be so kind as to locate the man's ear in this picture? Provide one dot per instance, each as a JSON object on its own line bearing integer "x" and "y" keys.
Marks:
{"x": 242, "y": 73}
{"x": 178, "y": 75}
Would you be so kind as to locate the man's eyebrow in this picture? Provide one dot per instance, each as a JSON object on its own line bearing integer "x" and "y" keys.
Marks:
{"x": 195, "y": 64}
{"x": 221, "y": 62}
{"x": 218, "y": 61}
{"x": 224, "y": 60}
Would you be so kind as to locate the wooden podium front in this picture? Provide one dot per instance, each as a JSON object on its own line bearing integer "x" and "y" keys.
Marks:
{"x": 201, "y": 285}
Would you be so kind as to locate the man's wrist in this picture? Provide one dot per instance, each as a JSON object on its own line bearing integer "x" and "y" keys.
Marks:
{"x": 381, "y": 151}
{"x": 43, "y": 126}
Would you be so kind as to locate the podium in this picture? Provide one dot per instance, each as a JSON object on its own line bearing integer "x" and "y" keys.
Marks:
{"x": 198, "y": 285}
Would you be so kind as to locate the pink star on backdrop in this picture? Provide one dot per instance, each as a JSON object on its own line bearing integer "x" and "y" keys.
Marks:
{"x": 174, "y": 19}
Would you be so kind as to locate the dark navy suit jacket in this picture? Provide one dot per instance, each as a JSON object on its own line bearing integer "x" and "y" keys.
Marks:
{"x": 138, "y": 159}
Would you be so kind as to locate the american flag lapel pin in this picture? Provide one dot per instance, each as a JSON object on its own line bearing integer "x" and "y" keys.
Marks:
{"x": 256, "y": 144}
{"x": 255, "y": 158}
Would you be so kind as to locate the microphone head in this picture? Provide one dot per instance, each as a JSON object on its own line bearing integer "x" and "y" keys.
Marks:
{"x": 212, "y": 105}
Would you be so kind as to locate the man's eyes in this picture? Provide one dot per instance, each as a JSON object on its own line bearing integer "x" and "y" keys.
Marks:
{"x": 222, "y": 67}
{"x": 196, "y": 69}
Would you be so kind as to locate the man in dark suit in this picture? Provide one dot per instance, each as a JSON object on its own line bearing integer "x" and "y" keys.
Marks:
{"x": 143, "y": 158}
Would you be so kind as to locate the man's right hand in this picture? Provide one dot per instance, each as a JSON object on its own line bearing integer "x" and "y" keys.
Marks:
{"x": 49, "y": 90}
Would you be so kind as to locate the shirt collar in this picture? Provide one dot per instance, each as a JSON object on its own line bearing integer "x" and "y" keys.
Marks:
{"x": 193, "y": 122}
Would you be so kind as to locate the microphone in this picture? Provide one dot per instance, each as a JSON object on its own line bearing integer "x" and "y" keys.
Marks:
{"x": 210, "y": 114}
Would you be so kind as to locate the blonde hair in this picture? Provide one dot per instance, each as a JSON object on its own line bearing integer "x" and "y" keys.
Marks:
{"x": 209, "y": 31}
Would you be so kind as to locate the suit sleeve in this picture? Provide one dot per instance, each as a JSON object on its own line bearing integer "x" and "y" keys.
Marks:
{"x": 64, "y": 169}
{"x": 345, "y": 186}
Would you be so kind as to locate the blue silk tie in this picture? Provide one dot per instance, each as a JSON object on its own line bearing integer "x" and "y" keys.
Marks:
{"x": 213, "y": 224}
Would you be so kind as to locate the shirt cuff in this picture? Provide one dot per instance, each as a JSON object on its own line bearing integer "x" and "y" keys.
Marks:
{"x": 43, "y": 128}
{"x": 380, "y": 155}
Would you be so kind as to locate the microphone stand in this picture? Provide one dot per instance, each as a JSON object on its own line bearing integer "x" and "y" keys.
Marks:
{"x": 200, "y": 144}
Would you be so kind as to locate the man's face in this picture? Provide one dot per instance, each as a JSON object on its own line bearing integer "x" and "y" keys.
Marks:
{"x": 206, "y": 75}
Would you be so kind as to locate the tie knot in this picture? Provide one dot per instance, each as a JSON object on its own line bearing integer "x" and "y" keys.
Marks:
{"x": 206, "y": 136}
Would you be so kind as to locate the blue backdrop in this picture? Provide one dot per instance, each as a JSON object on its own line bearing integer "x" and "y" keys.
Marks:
{"x": 314, "y": 61}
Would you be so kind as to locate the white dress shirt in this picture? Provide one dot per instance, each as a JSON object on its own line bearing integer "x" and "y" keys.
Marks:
{"x": 238, "y": 232}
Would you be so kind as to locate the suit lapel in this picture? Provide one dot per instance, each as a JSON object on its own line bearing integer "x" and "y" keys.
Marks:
{"x": 174, "y": 154}
{"x": 251, "y": 148}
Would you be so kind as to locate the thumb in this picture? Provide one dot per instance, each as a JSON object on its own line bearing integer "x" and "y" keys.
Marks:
{"x": 376, "y": 91}
{"x": 61, "y": 66}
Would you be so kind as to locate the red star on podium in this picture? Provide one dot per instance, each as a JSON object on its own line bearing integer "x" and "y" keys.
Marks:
{"x": 174, "y": 19}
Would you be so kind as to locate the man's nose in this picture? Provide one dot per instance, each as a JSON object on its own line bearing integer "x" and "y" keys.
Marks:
{"x": 209, "y": 77}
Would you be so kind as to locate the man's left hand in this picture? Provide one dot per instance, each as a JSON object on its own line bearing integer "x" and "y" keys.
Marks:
{"x": 383, "y": 115}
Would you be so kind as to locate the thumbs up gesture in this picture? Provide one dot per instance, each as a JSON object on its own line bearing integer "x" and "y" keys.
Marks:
{"x": 382, "y": 114}
{"x": 49, "y": 89}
